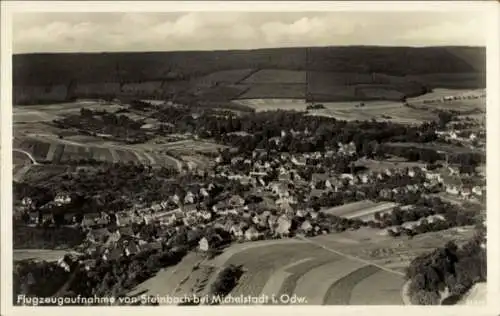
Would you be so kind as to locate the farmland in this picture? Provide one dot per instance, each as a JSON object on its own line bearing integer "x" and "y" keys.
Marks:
{"x": 320, "y": 269}
{"x": 360, "y": 209}
{"x": 274, "y": 104}
{"x": 380, "y": 166}
{"x": 320, "y": 73}
{"x": 449, "y": 149}
{"x": 275, "y": 91}
{"x": 60, "y": 150}
{"x": 225, "y": 76}
{"x": 333, "y": 86}
{"x": 276, "y": 76}
{"x": 39, "y": 254}
{"x": 394, "y": 112}
{"x": 35, "y": 134}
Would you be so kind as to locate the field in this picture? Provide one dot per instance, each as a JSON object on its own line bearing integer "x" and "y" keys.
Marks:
{"x": 273, "y": 76}
{"x": 49, "y": 112}
{"x": 225, "y": 76}
{"x": 39, "y": 254}
{"x": 362, "y": 209}
{"x": 35, "y": 135}
{"x": 382, "y": 165}
{"x": 177, "y": 280}
{"x": 181, "y": 147}
{"x": 54, "y": 150}
{"x": 274, "y": 104}
{"x": 334, "y": 73}
{"x": 450, "y": 149}
{"x": 338, "y": 86}
{"x": 451, "y": 80}
{"x": 379, "y": 110}
{"x": 275, "y": 91}
{"x": 362, "y": 267}
{"x": 220, "y": 93}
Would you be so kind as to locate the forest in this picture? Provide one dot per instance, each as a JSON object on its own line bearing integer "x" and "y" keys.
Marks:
{"x": 454, "y": 268}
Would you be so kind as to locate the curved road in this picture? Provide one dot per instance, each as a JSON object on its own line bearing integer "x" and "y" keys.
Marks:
{"x": 33, "y": 160}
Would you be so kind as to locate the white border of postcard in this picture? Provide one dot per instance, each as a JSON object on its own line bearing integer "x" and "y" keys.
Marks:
{"x": 491, "y": 13}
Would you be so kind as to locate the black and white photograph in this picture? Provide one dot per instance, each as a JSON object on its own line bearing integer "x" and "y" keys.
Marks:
{"x": 242, "y": 157}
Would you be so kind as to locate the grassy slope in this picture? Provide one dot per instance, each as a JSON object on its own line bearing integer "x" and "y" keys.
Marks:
{"x": 333, "y": 73}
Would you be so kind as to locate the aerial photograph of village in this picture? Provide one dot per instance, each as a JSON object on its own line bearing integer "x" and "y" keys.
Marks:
{"x": 286, "y": 159}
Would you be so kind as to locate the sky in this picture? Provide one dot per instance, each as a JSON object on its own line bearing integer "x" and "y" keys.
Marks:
{"x": 111, "y": 32}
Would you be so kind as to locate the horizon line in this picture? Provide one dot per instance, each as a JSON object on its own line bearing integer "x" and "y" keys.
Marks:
{"x": 246, "y": 49}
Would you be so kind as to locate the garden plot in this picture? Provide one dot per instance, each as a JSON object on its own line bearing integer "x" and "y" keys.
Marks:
{"x": 359, "y": 209}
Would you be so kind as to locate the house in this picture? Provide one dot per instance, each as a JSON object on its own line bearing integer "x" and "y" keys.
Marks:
{"x": 237, "y": 230}
{"x": 434, "y": 176}
{"x": 175, "y": 199}
{"x": 205, "y": 215}
{"x": 298, "y": 161}
{"x": 204, "y": 192}
{"x": 466, "y": 192}
{"x": 284, "y": 176}
{"x": 123, "y": 219}
{"x": 279, "y": 188}
{"x": 319, "y": 177}
{"x": 236, "y": 201}
{"x": 300, "y": 213}
{"x": 130, "y": 247}
{"x": 113, "y": 253}
{"x": 209, "y": 243}
{"x": 155, "y": 245}
{"x": 63, "y": 264}
{"x": 157, "y": 207}
{"x": 98, "y": 235}
{"x": 252, "y": 234}
{"x": 283, "y": 226}
{"x": 61, "y": 199}
{"x": 453, "y": 171}
{"x": 347, "y": 176}
{"x": 189, "y": 198}
{"x": 102, "y": 221}
{"x": 126, "y": 231}
{"x": 189, "y": 221}
{"x": 363, "y": 178}
{"x": 385, "y": 193}
{"x": 257, "y": 220}
{"x": 113, "y": 239}
{"x": 452, "y": 189}
{"x": 47, "y": 218}
{"x": 477, "y": 190}
{"x": 313, "y": 214}
{"x": 306, "y": 227}
{"x": 27, "y": 202}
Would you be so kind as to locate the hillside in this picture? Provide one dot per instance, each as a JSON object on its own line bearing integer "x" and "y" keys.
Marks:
{"x": 324, "y": 73}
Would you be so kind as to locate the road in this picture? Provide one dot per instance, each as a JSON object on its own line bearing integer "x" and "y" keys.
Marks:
{"x": 33, "y": 160}
{"x": 367, "y": 262}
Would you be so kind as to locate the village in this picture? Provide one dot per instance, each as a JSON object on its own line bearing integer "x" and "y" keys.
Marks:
{"x": 277, "y": 199}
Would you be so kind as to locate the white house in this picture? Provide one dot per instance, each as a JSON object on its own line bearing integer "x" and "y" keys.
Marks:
{"x": 252, "y": 234}
{"x": 306, "y": 226}
{"x": 477, "y": 190}
{"x": 452, "y": 189}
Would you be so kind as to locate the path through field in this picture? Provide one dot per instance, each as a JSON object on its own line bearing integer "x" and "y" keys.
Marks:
{"x": 311, "y": 269}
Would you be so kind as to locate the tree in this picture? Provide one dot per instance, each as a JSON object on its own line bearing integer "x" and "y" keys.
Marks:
{"x": 444, "y": 118}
